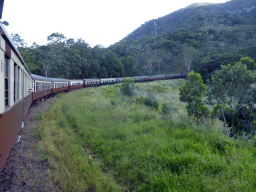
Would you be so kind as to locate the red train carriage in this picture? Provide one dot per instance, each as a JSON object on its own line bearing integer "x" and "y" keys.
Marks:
{"x": 41, "y": 86}
{"x": 59, "y": 85}
{"x": 75, "y": 84}
{"x": 15, "y": 93}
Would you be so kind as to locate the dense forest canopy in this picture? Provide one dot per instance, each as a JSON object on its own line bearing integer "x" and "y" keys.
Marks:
{"x": 200, "y": 37}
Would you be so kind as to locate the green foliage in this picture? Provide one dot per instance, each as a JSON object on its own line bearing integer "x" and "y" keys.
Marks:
{"x": 192, "y": 92}
{"x": 152, "y": 102}
{"x": 113, "y": 65}
{"x": 249, "y": 62}
{"x": 133, "y": 148}
{"x": 129, "y": 66}
{"x": 127, "y": 86}
{"x": 149, "y": 101}
{"x": 18, "y": 41}
{"x": 165, "y": 109}
{"x": 229, "y": 87}
{"x": 203, "y": 111}
{"x": 231, "y": 90}
{"x": 56, "y": 38}
{"x": 141, "y": 100}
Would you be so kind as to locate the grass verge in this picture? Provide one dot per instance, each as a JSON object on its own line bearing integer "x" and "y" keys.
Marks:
{"x": 96, "y": 140}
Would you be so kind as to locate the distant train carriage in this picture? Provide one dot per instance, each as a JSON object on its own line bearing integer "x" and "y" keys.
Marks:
{"x": 107, "y": 81}
{"x": 59, "y": 85}
{"x": 175, "y": 76}
{"x": 91, "y": 82}
{"x": 42, "y": 86}
{"x": 119, "y": 79}
{"x": 75, "y": 83}
{"x": 140, "y": 79}
{"x": 156, "y": 77}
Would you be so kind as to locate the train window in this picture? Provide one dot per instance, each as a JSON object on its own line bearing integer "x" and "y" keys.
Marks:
{"x": 15, "y": 83}
{"x": 22, "y": 83}
{"x": 37, "y": 86}
{"x": 18, "y": 83}
{"x": 6, "y": 77}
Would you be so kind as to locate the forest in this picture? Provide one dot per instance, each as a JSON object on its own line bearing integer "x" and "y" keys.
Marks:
{"x": 201, "y": 37}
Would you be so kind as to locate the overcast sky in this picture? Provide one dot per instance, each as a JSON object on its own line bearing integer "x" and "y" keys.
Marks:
{"x": 103, "y": 22}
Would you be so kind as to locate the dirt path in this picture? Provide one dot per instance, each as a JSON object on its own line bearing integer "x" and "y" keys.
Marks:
{"x": 26, "y": 169}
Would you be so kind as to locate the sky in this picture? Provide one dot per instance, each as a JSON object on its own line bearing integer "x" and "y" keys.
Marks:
{"x": 98, "y": 22}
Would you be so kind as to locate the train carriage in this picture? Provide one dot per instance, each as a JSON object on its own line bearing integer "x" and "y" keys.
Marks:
{"x": 75, "y": 83}
{"x": 59, "y": 85}
{"x": 138, "y": 79}
{"x": 15, "y": 93}
{"x": 42, "y": 86}
{"x": 91, "y": 82}
{"x": 119, "y": 79}
{"x": 156, "y": 77}
{"x": 107, "y": 81}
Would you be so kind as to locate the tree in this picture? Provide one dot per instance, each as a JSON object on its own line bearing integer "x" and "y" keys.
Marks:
{"x": 129, "y": 65}
{"x": 29, "y": 57}
{"x": 249, "y": 62}
{"x": 151, "y": 59}
{"x": 34, "y": 46}
{"x": 229, "y": 86}
{"x": 113, "y": 65}
{"x": 127, "y": 86}
{"x": 55, "y": 38}
{"x": 17, "y": 40}
{"x": 192, "y": 92}
{"x": 187, "y": 56}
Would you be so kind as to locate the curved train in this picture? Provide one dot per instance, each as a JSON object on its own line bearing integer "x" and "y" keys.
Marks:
{"x": 19, "y": 88}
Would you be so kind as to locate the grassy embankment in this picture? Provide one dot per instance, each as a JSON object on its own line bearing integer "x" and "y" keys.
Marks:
{"x": 96, "y": 139}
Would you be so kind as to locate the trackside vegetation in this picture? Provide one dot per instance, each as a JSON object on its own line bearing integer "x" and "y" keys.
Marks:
{"x": 98, "y": 139}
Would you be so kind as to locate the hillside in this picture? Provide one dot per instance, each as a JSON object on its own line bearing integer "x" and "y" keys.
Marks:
{"x": 198, "y": 15}
{"x": 200, "y": 37}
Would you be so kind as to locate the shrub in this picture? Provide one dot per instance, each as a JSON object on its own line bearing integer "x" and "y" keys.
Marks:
{"x": 148, "y": 101}
{"x": 203, "y": 111}
{"x": 192, "y": 92}
{"x": 127, "y": 86}
{"x": 152, "y": 102}
{"x": 141, "y": 100}
{"x": 165, "y": 109}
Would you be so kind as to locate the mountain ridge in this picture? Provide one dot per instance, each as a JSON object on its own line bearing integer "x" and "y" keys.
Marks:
{"x": 183, "y": 18}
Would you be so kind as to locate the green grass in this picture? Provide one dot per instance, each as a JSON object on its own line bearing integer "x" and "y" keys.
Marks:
{"x": 95, "y": 139}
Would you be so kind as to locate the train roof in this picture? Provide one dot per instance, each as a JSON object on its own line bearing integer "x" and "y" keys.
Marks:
{"x": 8, "y": 38}
{"x": 156, "y": 75}
{"x": 91, "y": 79}
{"x": 75, "y": 80}
{"x": 41, "y": 78}
{"x": 140, "y": 77}
{"x": 59, "y": 80}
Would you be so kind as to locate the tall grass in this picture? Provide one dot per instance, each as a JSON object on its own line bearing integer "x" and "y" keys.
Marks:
{"x": 96, "y": 140}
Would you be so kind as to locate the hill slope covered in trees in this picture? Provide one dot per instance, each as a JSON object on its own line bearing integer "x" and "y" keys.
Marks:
{"x": 200, "y": 37}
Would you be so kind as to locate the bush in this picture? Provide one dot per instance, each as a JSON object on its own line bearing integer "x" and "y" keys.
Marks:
{"x": 141, "y": 100}
{"x": 127, "y": 86}
{"x": 152, "y": 102}
{"x": 203, "y": 111}
{"x": 165, "y": 109}
{"x": 242, "y": 121}
{"x": 148, "y": 101}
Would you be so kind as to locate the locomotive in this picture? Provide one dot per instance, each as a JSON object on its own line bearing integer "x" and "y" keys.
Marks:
{"x": 19, "y": 89}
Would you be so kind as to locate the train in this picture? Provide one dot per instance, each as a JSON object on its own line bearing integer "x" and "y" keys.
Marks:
{"x": 19, "y": 89}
